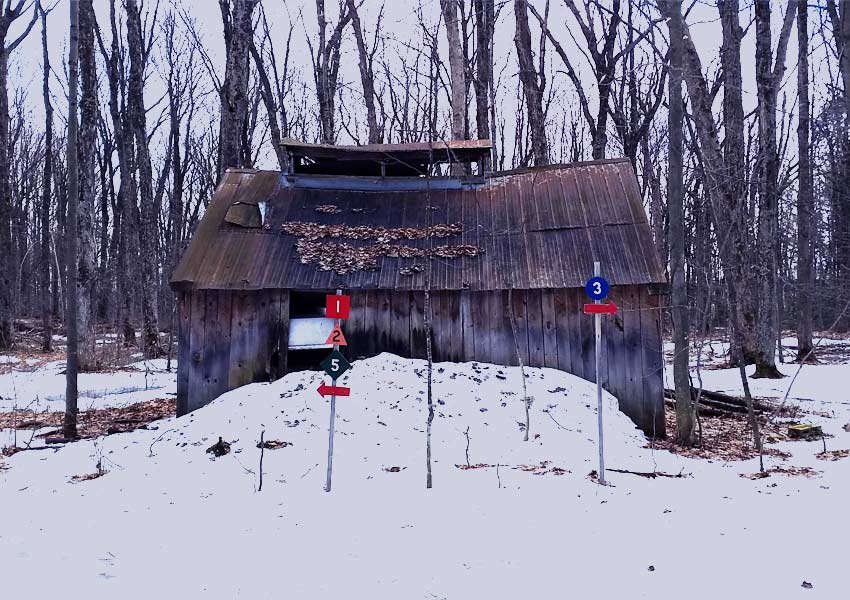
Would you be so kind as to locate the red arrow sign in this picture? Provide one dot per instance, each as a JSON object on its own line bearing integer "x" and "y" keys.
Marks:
{"x": 609, "y": 308}
{"x": 328, "y": 390}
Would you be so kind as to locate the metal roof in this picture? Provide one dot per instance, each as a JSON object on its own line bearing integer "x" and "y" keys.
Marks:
{"x": 537, "y": 228}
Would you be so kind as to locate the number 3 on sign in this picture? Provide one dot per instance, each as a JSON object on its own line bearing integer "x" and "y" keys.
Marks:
{"x": 596, "y": 288}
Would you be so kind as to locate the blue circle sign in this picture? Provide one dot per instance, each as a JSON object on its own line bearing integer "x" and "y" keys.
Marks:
{"x": 596, "y": 288}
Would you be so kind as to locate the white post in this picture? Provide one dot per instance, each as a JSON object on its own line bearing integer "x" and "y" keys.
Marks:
{"x": 333, "y": 419}
{"x": 597, "y": 322}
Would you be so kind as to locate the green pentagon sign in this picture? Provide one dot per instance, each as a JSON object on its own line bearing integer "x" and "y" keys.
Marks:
{"x": 335, "y": 364}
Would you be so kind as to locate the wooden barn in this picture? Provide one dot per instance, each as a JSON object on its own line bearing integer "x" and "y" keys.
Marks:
{"x": 251, "y": 285}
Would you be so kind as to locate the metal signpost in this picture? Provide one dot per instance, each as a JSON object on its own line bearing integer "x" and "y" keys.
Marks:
{"x": 597, "y": 290}
{"x": 337, "y": 307}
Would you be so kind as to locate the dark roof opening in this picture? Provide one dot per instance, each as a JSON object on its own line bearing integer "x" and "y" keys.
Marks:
{"x": 386, "y": 160}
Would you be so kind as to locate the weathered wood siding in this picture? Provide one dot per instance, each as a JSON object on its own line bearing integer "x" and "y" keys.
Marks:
{"x": 230, "y": 338}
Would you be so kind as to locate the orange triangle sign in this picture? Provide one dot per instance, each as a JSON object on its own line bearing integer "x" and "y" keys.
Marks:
{"x": 336, "y": 337}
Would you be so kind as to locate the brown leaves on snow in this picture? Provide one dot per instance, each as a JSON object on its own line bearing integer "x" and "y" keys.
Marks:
{"x": 833, "y": 454}
{"x": 273, "y": 444}
{"x": 94, "y": 422}
{"x": 779, "y": 470}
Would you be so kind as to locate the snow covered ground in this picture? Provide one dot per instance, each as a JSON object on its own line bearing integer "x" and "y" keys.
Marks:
{"x": 43, "y": 387}
{"x": 169, "y": 519}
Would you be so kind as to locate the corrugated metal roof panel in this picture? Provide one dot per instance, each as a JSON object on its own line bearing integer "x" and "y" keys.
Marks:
{"x": 539, "y": 228}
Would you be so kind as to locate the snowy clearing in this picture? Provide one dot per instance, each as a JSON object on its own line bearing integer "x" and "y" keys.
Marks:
{"x": 166, "y": 514}
{"x": 43, "y": 387}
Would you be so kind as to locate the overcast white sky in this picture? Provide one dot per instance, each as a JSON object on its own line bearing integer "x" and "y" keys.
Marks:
{"x": 400, "y": 24}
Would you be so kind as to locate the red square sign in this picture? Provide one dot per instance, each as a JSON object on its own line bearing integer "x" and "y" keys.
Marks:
{"x": 337, "y": 306}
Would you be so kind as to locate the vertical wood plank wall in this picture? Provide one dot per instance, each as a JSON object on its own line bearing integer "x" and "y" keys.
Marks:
{"x": 230, "y": 338}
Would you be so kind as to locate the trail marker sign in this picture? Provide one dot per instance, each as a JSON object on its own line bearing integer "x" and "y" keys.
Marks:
{"x": 335, "y": 365}
{"x": 336, "y": 337}
{"x": 333, "y": 390}
{"x": 605, "y": 308}
{"x": 337, "y": 306}
{"x": 596, "y": 288}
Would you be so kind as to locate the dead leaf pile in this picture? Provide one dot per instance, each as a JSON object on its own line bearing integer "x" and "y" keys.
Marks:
{"x": 726, "y": 437}
{"x": 345, "y": 258}
{"x": 833, "y": 454}
{"x": 95, "y": 422}
{"x": 779, "y": 470}
{"x": 87, "y": 476}
{"x": 331, "y": 209}
{"x": 316, "y": 231}
{"x": 273, "y": 444}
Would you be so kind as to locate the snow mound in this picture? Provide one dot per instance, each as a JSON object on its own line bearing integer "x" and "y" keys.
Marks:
{"x": 380, "y": 426}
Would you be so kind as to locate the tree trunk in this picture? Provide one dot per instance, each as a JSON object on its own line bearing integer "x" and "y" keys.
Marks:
{"x": 86, "y": 268}
{"x": 485, "y": 21}
{"x": 72, "y": 367}
{"x": 734, "y": 167}
{"x": 126, "y": 200}
{"x": 768, "y": 78}
{"x": 149, "y": 217}
{"x": 6, "y": 266}
{"x": 8, "y": 14}
{"x": 685, "y": 417}
{"x": 840, "y": 18}
{"x": 238, "y": 36}
{"x": 805, "y": 193}
{"x": 457, "y": 69}
{"x": 367, "y": 76}
{"x": 530, "y": 85}
{"x": 47, "y": 181}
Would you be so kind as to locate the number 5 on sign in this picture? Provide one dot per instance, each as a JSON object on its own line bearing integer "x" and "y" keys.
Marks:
{"x": 337, "y": 306}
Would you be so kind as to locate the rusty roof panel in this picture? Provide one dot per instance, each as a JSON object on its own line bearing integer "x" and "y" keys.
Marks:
{"x": 538, "y": 228}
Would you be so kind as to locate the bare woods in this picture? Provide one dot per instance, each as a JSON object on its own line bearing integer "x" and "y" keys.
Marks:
{"x": 742, "y": 152}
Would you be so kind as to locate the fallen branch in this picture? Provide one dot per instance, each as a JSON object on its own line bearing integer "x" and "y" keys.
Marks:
{"x": 649, "y": 474}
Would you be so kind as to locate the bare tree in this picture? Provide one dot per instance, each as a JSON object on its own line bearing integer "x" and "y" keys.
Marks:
{"x": 805, "y": 192}
{"x": 326, "y": 61}
{"x": 86, "y": 268}
{"x": 457, "y": 69}
{"x": 237, "y": 18}
{"x": 8, "y": 15}
{"x": 839, "y": 16}
{"x": 532, "y": 85}
{"x": 47, "y": 182}
{"x": 69, "y": 424}
{"x": 126, "y": 213}
{"x": 685, "y": 421}
{"x": 769, "y": 72}
{"x": 722, "y": 190}
{"x": 139, "y": 51}
{"x": 365, "y": 63}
